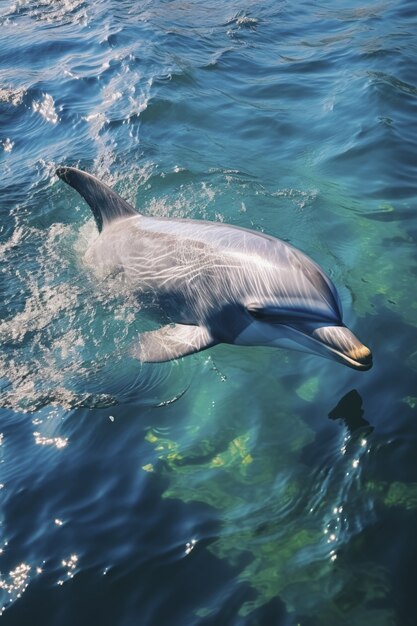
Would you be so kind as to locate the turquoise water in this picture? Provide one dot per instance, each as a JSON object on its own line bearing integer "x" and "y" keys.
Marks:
{"x": 237, "y": 486}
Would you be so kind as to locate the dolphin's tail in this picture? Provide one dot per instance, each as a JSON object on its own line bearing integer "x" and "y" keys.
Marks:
{"x": 105, "y": 203}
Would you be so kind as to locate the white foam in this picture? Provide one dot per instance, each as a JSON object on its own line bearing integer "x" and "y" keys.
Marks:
{"x": 46, "y": 108}
{"x": 7, "y": 144}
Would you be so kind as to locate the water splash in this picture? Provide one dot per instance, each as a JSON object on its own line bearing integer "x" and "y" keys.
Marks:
{"x": 69, "y": 332}
{"x": 46, "y": 108}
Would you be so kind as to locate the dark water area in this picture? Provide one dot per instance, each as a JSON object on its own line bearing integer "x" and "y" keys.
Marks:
{"x": 238, "y": 486}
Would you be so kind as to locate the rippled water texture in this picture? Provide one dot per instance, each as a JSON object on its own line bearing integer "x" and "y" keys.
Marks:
{"x": 236, "y": 487}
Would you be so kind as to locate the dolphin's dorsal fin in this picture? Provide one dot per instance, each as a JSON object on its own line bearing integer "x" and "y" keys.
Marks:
{"x": 105, "y": 203}
{"x": 171, "y": 342}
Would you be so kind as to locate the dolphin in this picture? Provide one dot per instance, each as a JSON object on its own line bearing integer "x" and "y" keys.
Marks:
{"x": 215, "y": 283}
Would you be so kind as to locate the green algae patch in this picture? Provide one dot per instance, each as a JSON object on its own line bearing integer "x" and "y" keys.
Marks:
{"x": 261, "y": 500}
{"x": 309, "y": 389}
{"x": 384, "y": 277}
{"x": 402, "y": 494}
{"x": 237, "y": 453}
{"x": 372, "y": 278}
{"x": 411, "y": 401}
{"x": 396, "y": 494}
{"x": 412, "y": 361}
{"x": 281, "y": 521}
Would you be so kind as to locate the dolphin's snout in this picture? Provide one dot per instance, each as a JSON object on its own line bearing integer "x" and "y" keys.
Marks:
{"x": 344, "y": 346}
{"x": 362, "y": 355}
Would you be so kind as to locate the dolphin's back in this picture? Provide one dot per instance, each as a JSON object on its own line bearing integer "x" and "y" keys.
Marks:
{"x": 203, "y": 260}
{"x": 241, "y": 247}
{"x": 213, "y": 262}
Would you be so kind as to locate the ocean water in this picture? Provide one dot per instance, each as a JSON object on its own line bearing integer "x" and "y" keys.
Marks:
{"x": 235, "y": 487}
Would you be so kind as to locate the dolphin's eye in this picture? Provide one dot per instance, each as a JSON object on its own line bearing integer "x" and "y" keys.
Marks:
{"x": 275, "y": 315}
{"x": 257, "y": 314}
{"x": 270, "y": 315}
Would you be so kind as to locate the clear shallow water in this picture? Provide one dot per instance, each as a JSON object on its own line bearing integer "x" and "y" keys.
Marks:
{"x": 214, "y": 490}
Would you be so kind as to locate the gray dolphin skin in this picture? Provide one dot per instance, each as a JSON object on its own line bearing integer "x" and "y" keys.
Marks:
{"x": 215, "y": 283}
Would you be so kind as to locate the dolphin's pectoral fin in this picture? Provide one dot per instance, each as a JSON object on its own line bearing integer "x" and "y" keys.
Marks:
{"x": 171, "y": 342}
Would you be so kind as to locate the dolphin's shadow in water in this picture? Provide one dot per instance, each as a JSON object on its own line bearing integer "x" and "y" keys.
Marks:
{"x": 349, "y": 410}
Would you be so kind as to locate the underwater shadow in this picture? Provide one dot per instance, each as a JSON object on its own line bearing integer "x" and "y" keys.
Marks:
{"x": 349, "y": 410}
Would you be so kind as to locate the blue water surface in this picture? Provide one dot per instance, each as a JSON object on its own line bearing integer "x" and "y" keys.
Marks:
{"x": 235, "y": 487}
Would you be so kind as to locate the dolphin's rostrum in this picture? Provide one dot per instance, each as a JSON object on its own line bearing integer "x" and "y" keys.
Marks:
{"x": 216, "y": 283}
